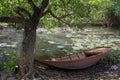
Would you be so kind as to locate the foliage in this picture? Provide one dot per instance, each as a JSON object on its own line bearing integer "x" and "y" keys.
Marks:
{"x": 82, "y": 12}
{"x": 113, "y": 58}
{"x": 11, "y": 61}
{"x": 77, "y": 12}
{"x": 8, "y": 7}
{"x": 116, "y": 6}
{"x": 113, "y": 13}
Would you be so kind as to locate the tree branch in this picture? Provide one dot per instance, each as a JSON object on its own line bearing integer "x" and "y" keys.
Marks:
{"x": 32, "y": 4}
{"x": 45, "y": 12}
{"x": 43, "y": 5}
{"x": 58, "y": 18}
{"x": 21, "y": 11}
{"x": 63, "y": 4}
{"x": 66, "y": 15}
{"x": 13, "y": 19}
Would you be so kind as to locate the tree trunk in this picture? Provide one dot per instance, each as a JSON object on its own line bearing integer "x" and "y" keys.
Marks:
{"x": 27, "y": 52}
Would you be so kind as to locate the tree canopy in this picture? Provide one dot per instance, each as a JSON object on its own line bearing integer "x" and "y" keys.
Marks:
{"x": 65, "y": 12}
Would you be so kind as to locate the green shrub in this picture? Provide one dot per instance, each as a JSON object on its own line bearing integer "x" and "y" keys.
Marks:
{"x": 11, "y": 60}
{"x": 113, "y": 58}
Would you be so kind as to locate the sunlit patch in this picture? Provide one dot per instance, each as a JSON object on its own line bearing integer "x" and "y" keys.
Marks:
{"x": 52, "y": 42}
{"x": 8, "y": 45}
{"x": 60, "y": 46}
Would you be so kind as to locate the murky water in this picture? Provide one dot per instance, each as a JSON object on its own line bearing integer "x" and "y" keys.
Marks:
{"x": 58, "y": 43}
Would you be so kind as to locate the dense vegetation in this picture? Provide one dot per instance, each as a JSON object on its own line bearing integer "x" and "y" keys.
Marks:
{"x": 74, "y": 12}
{"x": 113, "y": 13}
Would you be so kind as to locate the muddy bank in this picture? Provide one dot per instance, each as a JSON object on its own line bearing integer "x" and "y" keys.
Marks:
{"x": 95, "y": 72}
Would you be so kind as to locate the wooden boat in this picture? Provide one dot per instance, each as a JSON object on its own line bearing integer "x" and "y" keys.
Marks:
{"x": 80, "y": 60}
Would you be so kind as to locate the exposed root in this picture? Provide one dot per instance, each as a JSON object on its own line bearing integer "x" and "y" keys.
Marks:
{"x": 30, "y": 76}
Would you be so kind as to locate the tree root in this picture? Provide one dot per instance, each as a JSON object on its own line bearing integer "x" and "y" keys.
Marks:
{"x": 30, "y": 76}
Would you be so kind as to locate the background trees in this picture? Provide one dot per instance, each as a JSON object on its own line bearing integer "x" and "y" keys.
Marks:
{"x": 113, "y": 13}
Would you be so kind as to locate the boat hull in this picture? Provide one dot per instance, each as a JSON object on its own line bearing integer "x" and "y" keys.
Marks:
{"x": 76, "y": 63}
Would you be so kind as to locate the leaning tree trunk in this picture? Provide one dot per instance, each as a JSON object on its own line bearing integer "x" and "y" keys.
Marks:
{"x": 27, "y": 52}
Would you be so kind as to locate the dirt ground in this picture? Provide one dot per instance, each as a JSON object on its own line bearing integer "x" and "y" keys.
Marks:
{"x": 95, "y": 72}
